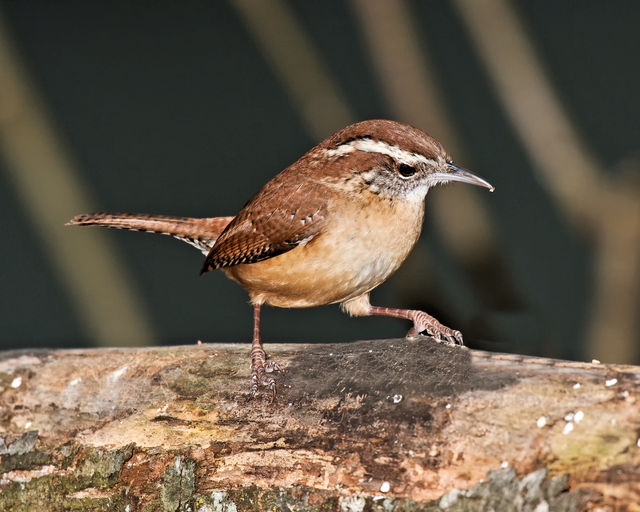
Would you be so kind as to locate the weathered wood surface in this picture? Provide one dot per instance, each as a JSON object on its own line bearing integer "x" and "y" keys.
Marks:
{"x": 376, "y": 425}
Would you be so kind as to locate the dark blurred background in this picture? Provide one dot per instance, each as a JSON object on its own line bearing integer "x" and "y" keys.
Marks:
{"x": 188, "y": 108}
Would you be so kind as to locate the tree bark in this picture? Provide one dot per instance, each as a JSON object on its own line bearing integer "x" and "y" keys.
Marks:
{"x": 405, "y": 424}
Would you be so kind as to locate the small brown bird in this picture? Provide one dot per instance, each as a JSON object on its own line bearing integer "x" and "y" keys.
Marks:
{"x": 328, "y": 229}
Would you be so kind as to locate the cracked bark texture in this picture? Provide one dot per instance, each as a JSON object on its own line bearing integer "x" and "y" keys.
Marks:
{"x": 405, "y": 424}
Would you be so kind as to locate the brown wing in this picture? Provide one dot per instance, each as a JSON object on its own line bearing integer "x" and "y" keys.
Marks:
{"x": 288, "y": 211}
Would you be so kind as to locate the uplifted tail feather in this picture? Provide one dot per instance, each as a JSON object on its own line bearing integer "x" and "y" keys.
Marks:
{"x": 199, "y": 232}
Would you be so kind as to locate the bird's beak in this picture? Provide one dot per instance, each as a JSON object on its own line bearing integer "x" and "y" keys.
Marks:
{"x": 456, "y": 173}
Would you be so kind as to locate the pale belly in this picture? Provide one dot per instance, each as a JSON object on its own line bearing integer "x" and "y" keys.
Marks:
{"x": 348, "y": 259}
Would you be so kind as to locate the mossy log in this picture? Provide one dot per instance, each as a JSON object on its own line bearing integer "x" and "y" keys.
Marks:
{"x": 406, "y": 424}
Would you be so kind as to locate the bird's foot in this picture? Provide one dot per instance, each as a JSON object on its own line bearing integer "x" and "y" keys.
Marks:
{"x": 272, "y": 366}
{"x": 259, "y": 375}
{"x": 422, "y": 322}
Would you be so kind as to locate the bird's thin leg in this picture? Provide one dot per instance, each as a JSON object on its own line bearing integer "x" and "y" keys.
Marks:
{"x": 421, "y": 322}
{"x": 259, "y": 366}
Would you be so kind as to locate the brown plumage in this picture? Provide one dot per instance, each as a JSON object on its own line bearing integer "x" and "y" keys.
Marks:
{"x": 277, "y": 220}
{"x": 199, "y": 232}
{"x": 328, "y": 229}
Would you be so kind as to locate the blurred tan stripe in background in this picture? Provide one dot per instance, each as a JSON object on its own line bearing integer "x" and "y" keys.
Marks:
{"x": 51, "y": 191}
{"x": 607, "y": 211}
{"x": 297, "y": 64}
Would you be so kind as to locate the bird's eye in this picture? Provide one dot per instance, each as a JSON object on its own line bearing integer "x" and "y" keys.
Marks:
{"x": 406, "y": 171}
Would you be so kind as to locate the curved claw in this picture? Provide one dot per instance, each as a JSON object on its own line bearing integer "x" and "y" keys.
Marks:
{"x": 455, "y": 338}
{"x": 264, "y": 381}
{"x": 259, "y": 377}
{"x": 269, "y": 382}
{"x": 272, "y": 366}
{"x": 422, "y": 322}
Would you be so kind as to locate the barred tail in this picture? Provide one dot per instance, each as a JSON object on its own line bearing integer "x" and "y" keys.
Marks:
{"x": 199, "y": 232}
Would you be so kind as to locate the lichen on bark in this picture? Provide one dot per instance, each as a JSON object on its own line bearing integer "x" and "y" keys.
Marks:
{"x": 377, "y": 425}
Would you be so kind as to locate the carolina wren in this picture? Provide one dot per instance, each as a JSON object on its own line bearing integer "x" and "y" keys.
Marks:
{"x": 328, "y": 229}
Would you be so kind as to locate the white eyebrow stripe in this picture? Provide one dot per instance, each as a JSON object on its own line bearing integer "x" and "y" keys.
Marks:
{"x": 378, "y": 146}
